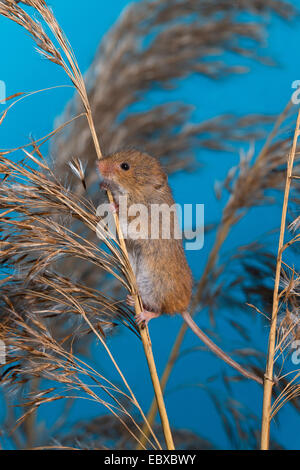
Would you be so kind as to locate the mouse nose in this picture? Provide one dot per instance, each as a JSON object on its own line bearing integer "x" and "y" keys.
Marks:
{"x": 106, "y": 168}
{"x": 102, "y": 167}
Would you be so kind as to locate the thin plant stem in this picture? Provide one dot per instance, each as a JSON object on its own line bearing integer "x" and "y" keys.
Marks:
{"x": 268, "y": 378}
{"x": 221, "y": 237}
{"x": 163, "y": 383}
{"x": 144, "y": 332}
{"x": 70, "y": 65}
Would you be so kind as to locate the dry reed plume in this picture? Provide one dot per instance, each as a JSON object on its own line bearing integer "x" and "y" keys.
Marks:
{"x": 46, "y": 313}
{"x": 68, "y": 62}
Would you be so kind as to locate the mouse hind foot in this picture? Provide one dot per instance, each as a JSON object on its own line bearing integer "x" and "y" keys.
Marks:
{"x": 144, "y": 317}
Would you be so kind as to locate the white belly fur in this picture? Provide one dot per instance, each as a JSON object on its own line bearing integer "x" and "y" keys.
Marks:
{"x": 144, "y": 282}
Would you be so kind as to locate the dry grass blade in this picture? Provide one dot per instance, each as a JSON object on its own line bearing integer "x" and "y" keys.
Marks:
{"x": 159, "y": 44}
{"x": 33, "y": 201}
{"x": 48, "y": 211}
{"x": 268, "y": 382}
{"x": 35, "y": 352}
{"x": 68, "y": 62}
{"x": 247, "y": 185}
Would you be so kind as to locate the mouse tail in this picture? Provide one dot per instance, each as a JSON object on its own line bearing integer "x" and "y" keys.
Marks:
{"x": 216, "y": 350}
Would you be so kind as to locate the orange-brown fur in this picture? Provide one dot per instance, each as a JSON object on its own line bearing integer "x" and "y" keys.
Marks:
{"x": 159, "y": 264}
{"x": 163, "y": 276}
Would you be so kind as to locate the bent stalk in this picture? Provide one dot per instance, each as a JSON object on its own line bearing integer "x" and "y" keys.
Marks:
{"x": 268, "y": 378}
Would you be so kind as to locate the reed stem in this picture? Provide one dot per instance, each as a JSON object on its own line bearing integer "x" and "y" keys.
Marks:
{"x": 144, "y": 332}
{"x": 268, "y": 378}
{"x": 163, "y": 383}
{"x": 221, "y": 237}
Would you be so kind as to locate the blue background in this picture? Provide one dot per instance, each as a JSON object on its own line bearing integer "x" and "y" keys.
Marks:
{"x": 262, "y": 90}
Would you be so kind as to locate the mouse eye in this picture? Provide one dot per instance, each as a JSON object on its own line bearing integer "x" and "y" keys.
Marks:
{"x": 125, "y": 166}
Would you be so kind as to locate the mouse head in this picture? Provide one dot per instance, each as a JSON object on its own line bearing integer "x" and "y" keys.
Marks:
{"x": 132, "y": 171}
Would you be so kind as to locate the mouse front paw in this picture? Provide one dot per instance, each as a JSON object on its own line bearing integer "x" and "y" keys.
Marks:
{"x": 113, "y": 207}
{"x": 144, "y": 317}
{"x": 104, "y": 186}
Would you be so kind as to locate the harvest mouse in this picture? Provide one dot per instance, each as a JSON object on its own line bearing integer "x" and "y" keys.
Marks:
{"x": 162, "y": 273}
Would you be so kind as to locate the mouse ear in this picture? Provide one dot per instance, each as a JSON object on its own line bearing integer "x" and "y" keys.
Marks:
{"x": 161, "y": 181}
